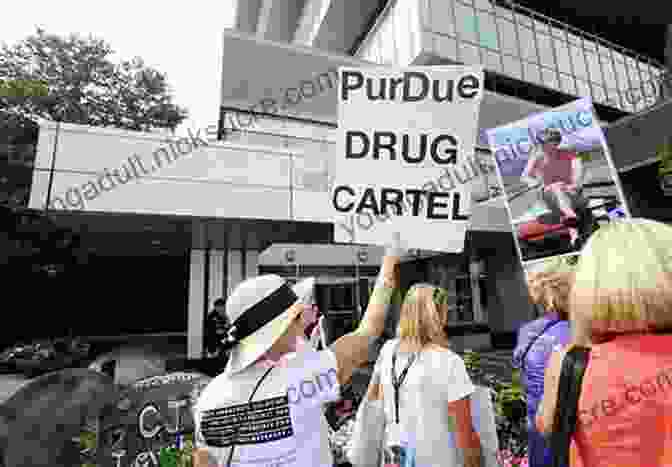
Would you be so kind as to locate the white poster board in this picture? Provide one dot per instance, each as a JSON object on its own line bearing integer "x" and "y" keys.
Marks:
{"x": 404, "y": 140}
{"x": 559, "y": 189}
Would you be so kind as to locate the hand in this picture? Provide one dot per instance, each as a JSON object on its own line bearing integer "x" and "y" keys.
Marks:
{"x": 396, "y": 247}
{"x": 556, "y": 186}
{"x": 472, "y": 457}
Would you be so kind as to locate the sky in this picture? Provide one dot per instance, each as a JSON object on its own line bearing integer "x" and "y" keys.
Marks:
{"x": 182, "y": 39}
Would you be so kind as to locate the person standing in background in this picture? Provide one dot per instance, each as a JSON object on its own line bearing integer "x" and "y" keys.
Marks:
{"x": 216, "y": 326}
{"x": 232, "y": 421}
{"x": 536, "y": 342}
{"x": 621, "y": 303}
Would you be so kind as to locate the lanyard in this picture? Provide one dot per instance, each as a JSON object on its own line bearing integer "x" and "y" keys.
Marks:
{"x": 254, "y": 391}
{"x": 397, "y": 382}
{"x": 532, "y": 341}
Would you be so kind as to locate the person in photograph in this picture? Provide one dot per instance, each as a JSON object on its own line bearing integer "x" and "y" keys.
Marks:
{"x": 537, "y": 340}
{"x": 621, "y": 303}
{"x": 559, "y": 173}
{"x": 267, "y": 407}
{"x": 425, "y": 389}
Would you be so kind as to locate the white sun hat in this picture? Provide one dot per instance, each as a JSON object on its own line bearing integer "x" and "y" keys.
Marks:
{"x": 260, "y": 312}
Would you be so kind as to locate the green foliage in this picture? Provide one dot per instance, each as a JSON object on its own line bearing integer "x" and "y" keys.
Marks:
{"x": 511, "y": 400}
{"x": 23, "y": 89}
{"x": 472, "y": 361}
{"x": 665, "y": 156}
{"x": 72, "y": 79}
{"x": 585, "y": 156}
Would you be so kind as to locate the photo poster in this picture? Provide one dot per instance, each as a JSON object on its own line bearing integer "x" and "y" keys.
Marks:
{"x": 557, "y": 194}
{"x": 402, "y": 134}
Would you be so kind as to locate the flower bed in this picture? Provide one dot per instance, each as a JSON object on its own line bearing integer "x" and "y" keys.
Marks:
{"x": 510, "y": 404}
{"x": 508, "y": 399}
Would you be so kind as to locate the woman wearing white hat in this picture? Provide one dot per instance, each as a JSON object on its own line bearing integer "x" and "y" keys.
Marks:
{"x": 258, "y": 414}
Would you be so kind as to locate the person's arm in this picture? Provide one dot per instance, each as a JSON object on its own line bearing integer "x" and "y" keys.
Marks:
{"x": 467, "y": 439}
{"x": 200, "y": 456}
{"x": 530, "y": 172}
{"x": 352, "y": 350}
{"x": 546, "y": 413}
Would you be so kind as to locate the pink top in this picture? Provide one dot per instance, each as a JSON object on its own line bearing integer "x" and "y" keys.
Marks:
{"x": 625, "y": 409}
{"x": 556, "y": 168}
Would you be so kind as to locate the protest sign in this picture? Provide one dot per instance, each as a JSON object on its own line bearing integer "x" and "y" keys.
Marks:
{"x": 399, "y": 131}
{"x": 558, "y": 178}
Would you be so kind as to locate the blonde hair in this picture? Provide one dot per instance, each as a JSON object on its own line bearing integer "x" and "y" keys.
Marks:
{"x": 422, "y": 321}
{"x": 551, "y": 289}
{"x": 623, "y": 280}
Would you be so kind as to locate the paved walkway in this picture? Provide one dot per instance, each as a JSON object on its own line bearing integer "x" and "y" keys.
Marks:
{"x": 9, "y": 384}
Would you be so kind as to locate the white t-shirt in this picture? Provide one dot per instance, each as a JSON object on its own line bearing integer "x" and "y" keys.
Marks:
{"x": 284, "y": 426}
{"x": 437, "y": 376}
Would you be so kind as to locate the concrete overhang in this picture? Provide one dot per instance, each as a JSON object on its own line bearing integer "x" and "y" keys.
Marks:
{"x": 633, "y": 141}
{"x": 255, "y": 69}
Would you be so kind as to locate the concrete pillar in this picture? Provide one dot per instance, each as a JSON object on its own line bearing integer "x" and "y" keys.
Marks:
{"x": 217, "y": 275}
{"x": 251, "y": 263}
{"x": 475, "y": 269}
{"x": 235, "y": 273}
{"x": 196, "y": 305}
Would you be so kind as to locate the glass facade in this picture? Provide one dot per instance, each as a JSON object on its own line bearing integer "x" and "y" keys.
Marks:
{"x": 522, "y": 44}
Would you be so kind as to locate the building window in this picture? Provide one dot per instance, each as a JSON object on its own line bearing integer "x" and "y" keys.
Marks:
{"x": 532, "y": 73}
{"x": 608, "y": 71}
{"x": 562, "y": 56}
{"x": 445, "y": 46}
{"x": 599, "y": 94}
{"x": 584, "y": 88}
{"x": 594, "y": 71}
{"x": 523, "y": 20}
{"x": 613, "y": 97}
{"x": 487, "y": 32}
{"x": 621, "y": 74}
{"x": 493, "y": 61}
{"x": 442, "y": 16}
{"x": 469, "y": 54}
{"x": 579, "y": 62}
{"x": 549, "y": 78}
{"x": 590, "y": 46}
{"x": 467, "y": 29}
{"x": 528, "y": 49}
{"x": 512, "y": 67}
{"x": 545, "y": 50}
{"x": 507, "y": 34}
{"x": 567, "y": 84}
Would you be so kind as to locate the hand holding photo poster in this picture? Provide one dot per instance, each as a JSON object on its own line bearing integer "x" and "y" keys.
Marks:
{"x": 399, "y": 129}
{"x": 558, "y": 178}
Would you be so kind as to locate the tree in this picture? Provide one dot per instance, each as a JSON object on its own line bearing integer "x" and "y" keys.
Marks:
{"x": 84, "y": 85}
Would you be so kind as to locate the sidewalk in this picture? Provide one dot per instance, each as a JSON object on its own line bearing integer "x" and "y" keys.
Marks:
{"x": 9, "y": 384}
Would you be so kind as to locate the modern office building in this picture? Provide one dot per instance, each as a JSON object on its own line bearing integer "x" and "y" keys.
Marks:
{"x": 176, "y": 239}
